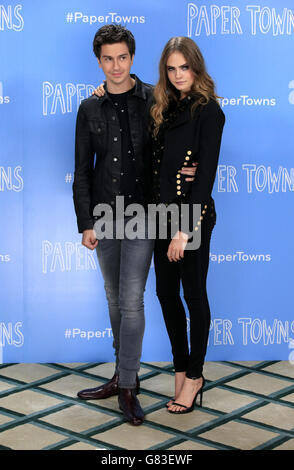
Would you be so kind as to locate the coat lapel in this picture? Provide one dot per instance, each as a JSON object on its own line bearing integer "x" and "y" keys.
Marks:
{"x": 185, "y": 116}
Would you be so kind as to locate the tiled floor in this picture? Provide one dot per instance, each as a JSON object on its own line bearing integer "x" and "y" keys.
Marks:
{"x": 246, "y": 405}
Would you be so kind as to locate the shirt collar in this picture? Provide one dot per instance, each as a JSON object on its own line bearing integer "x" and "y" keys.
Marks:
{"x": 139, "y": 90}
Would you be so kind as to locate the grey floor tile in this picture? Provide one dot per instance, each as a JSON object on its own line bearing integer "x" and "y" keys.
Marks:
{"x": 289, "y": 445}
{"x": 239, "y": 435}
{"x": 260, "y": 383}
{"x": 71, "y": 384}
{"x": 133, "y": 438}
{"x": 28, "y": 372}
{"x": 28, "y": 401}
{"x": 78, "y": 418}
{"x": 283, "y": 368}
{"x": 29, "y": 437}
{"x": 273, "y": 414}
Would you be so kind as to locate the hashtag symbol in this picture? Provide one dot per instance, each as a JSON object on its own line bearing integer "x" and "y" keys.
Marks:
{"x": 67, "y": 333}
{"x": 68, "y": 177}
{"x": 69, "y": 18}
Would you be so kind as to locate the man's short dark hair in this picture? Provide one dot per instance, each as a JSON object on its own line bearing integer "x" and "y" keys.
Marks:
{"x": 111, "y": 34}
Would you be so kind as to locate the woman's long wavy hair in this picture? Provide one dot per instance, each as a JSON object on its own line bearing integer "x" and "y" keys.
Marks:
{"x": 203, "y": 87}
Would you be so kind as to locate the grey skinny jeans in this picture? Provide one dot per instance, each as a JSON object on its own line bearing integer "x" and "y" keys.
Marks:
{"x": 125, "y": 265}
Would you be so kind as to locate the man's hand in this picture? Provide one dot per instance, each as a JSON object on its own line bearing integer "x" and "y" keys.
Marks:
{"x": 189, "y": 171}
{"x": 177, "y": 246}
{"x": 89, "y": 239}
{"x": 99, "y": 91}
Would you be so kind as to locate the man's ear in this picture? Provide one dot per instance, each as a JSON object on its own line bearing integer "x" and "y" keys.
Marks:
{"x": 99, "y": 63}
{"x": 132, "y": 59}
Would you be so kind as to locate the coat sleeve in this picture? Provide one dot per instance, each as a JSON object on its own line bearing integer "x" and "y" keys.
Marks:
{"x": 211, "y": 127}
{"x": 84, "y": 162}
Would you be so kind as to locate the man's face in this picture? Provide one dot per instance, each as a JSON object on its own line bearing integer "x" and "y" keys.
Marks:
{"x": 116, "y": 62}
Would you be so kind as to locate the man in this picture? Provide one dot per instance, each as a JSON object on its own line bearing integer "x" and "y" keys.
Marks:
{"x": 114, "y": 127}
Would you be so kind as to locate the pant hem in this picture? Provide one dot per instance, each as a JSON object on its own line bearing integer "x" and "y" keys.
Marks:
{"x": 193, "y": 376}
{"x": 127, "y": 386}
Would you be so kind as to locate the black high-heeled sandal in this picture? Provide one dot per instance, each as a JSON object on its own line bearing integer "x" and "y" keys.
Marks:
{"x": 188, "y": 409}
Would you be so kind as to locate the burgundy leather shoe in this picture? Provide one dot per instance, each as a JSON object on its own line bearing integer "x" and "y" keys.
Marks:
{"x": 130, "y": 406}
{"x": 109, "y": 389}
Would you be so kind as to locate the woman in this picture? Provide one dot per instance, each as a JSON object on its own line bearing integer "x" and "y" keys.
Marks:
{"x": 187, "y": 125}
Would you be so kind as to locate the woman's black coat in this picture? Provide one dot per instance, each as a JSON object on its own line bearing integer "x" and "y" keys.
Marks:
{"x": 188, "y": 139}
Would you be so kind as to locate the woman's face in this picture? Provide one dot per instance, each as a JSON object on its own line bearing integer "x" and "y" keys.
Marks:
{"x": 179, "y": 73}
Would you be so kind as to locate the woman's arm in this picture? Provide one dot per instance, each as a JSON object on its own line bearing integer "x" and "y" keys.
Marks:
{"x": 211, "y": 123}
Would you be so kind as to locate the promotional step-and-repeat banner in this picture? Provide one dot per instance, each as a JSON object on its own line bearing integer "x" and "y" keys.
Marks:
{"x": 53, "y": 306}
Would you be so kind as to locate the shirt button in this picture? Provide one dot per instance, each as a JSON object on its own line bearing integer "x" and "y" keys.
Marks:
{"x": 115, "y": 159}
{"x": 115, "y": 139}
{"x": 122, "y": 174}
{"x": 99, "y": 129}
{"x": 114, "y": 180}
{"x": 113, "y": 118}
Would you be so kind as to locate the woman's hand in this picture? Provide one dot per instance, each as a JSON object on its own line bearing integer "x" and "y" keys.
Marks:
{"x": 177, "y": 246}
{"x": 99, "y": 91}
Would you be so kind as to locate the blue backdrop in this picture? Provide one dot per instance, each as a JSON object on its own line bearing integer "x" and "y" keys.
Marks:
{"x": 53, "y": 306}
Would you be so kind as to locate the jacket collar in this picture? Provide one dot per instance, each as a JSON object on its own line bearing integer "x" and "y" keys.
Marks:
{"x": 185, "y": 115}
{"x": 139, "y": 91}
